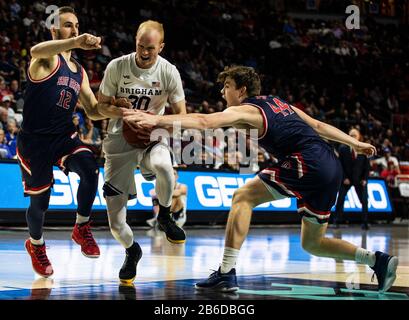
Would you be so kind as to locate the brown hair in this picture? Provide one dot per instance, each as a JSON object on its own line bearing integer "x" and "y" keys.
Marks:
{"x": 60, "y": 11}
{"x": 66, "y": 9}
{"x": 243, "y": 77}
{"x": 151, "y": 24}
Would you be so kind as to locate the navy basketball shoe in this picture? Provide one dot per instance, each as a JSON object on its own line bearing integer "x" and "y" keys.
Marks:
{"x": 217, "y": 281}
{"x": 385, "y": 270}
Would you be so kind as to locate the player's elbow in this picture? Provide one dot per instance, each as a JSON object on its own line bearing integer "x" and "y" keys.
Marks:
{"x": 205, "y": 122}
{"x": 319, "y": 126}
{"x": 34, "y": 53}
{"x": 37, "y": 53}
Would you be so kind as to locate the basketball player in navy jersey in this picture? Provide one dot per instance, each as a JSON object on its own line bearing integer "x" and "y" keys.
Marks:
{"x": 308, "y": 169}
{"x": 48, "y": 137}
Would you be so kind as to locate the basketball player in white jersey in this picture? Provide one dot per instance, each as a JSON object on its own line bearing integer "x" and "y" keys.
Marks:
{"x": 148, "y": 81}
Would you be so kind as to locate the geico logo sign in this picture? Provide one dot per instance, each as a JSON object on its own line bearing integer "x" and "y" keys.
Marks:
{"x": 377, "y": 198}
{"x": 66, "y": 187}
{"x": 218, "y": 192}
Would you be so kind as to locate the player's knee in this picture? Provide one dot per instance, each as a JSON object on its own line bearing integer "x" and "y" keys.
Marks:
{"x": 241, "y": 195}
{"x": 116, "y": 207}
{"x": 312, "y": 247}
{"x": 162, "y": 168}
{"x": 85, "y": 166}
{"x": 41, "y": 201}
{"x": 115, "y": 228}
{"x": 115, "y": 225}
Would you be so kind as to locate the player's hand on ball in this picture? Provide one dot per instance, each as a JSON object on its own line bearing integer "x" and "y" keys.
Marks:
{"x": 140, "y": 119}
{"x": 122, "y": 103}
{"x": 87, "y": 41}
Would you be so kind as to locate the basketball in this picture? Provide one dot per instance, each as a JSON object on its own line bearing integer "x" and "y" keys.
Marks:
{"x": 139, "y": 138}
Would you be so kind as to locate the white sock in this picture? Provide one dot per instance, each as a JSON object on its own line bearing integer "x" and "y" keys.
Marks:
{"x": 229, "y": 259}
{"x": 38, "y": 242}
{"x": 81, "y": 219}
{"x": 365, "y": 257}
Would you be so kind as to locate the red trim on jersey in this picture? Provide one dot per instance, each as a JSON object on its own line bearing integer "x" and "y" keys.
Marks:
{"x": 277, "y": 180}
{"x": 79, "y": 149}
{"x": 319, "y": 212}
{"x": 47, "y": 77}
{"x": 265, "y": 122}
{"x": 24, "y": 164}
{"x": 82, "y": 74}
{"x": 36, "y": 190}
{"x": 301, "y": 167}
{"x": 304, "y": 167}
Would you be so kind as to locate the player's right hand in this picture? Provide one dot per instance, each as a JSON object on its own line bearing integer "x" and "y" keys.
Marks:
{"x": 87, "y": 41}
{"x": 122, "y": 103}
{"x": 365, "y": 148}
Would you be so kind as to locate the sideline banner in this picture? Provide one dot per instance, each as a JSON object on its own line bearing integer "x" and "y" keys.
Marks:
{"x": 207, "y": 191}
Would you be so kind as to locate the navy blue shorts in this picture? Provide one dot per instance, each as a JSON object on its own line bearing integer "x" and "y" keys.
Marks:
{"x": 313, "y": 176}
{"x": 37, "y": 154}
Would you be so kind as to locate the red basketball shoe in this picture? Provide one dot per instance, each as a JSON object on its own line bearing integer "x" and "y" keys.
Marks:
{"x": 39, "y": 260}
{"x": 82, "y": 235}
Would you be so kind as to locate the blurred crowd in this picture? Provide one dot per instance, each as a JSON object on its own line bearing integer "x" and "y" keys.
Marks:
{"x": 348, "y": 78}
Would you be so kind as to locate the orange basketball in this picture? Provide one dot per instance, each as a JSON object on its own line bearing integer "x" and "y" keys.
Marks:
{"x": 139, "y": 138}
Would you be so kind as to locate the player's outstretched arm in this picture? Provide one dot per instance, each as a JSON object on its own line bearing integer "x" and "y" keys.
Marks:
{"x": 199, "y": 121}
{"x": 44, "y": 57}
{"x": 48, "y": 49}
{"x": 331, "y": 133}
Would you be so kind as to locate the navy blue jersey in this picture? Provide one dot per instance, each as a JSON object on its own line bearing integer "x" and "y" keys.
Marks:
{"x": 284, "y": 131}
{"x": 50, "y": 102}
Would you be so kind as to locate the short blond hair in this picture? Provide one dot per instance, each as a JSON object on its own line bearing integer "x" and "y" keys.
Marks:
{"x": 155, "y": 25}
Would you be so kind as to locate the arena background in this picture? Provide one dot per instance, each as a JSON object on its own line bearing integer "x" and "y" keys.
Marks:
{"x": 305, "y": 54}
{"x": 302, "y": 50}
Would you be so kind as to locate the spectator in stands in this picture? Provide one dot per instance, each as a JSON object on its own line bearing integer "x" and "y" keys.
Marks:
{"x": 226, "y": 165}
{"x": 90, "y": 135}
{"x": 390, "y": 173}
{"x": 383, "y": 161}
{"x": 6, "y": 104}
{"x": 4, "y": 91}
{"x": 76, "y": 121}
{"x": 5, "y": 152}
{"x": 17, "y": 101}
{"x": 3, "y": 118}
{"x": 11, "y": 136}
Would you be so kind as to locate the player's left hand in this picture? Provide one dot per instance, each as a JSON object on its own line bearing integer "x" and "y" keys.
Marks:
{"x": 139, "y": 118}
{"x": 365, "y": 148}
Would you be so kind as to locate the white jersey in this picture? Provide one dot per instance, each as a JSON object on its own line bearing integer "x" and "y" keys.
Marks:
{"x": 147, "y": 89}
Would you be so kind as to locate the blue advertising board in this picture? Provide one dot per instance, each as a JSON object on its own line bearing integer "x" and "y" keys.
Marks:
{"x": 207, "y": 191}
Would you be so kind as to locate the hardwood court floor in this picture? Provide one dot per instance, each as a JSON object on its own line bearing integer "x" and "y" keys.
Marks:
{"x": 272, "y": 265}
